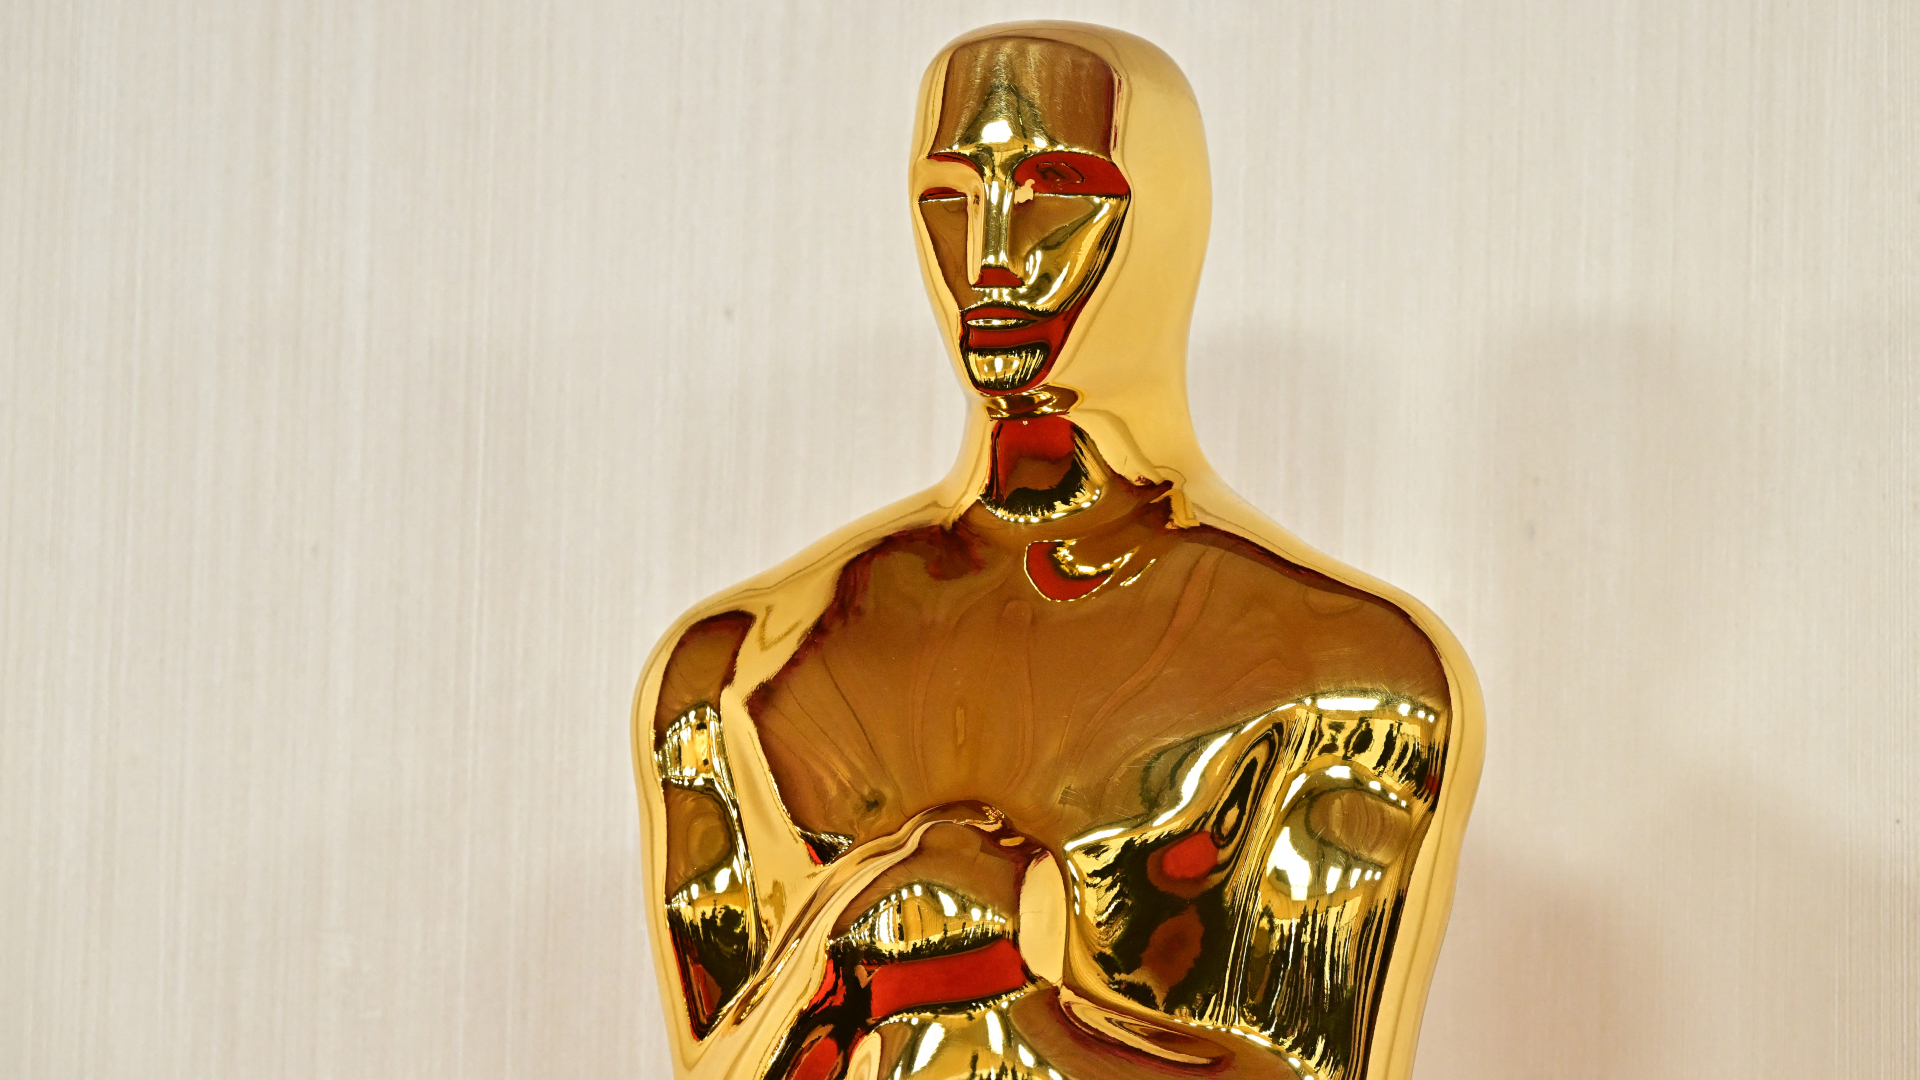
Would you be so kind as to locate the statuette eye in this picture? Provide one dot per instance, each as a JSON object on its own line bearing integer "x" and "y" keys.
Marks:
{"x": 1059, "y": 173}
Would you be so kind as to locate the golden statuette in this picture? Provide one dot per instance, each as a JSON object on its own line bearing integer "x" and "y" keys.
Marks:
{"x": 1074, "y": 766}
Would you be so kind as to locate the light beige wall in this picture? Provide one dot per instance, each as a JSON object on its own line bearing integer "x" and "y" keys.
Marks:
{"x": 377, "y": 379}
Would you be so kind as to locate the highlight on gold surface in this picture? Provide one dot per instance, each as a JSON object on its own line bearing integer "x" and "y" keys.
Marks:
{"x": 1075, "y": 766}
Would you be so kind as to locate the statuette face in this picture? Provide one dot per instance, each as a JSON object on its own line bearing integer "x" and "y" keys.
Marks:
{"x": 1073, "y": 766}
{"x": 1020, "y": 199}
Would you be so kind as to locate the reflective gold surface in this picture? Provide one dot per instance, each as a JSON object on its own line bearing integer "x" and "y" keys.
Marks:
{"x": 1073, "y": 766}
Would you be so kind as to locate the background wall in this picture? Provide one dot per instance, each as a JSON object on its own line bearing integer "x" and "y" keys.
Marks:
{"x": 378, "y": 379}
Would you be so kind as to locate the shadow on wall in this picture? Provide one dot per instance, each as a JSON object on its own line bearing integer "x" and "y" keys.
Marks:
{"x": 1716, "y": 950}
{"x": 1300, "y": 428}
{"x": 1661, "y": 879}
{"x": 1592, "y": 848}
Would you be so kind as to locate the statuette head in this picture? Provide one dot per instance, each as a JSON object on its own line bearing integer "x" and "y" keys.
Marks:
{"x": 1025, "y": 192}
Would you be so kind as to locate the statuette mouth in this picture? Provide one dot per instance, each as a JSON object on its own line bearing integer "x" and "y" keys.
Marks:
{"x": 1000, "y": 317}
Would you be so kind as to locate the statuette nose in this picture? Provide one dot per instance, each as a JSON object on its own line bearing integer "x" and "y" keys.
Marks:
{"x": 994, "y": 228}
